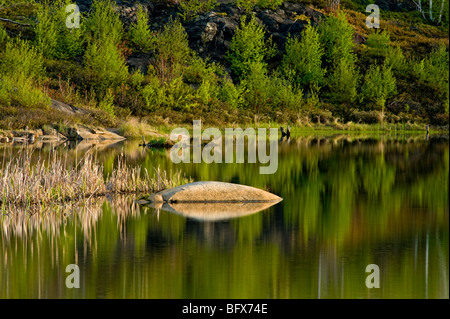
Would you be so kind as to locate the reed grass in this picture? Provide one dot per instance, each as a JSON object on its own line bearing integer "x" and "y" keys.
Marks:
{"x": 49, "y": 181}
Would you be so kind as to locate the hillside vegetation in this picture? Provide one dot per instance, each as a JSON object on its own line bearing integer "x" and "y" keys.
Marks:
{"x": 327, "y": 67}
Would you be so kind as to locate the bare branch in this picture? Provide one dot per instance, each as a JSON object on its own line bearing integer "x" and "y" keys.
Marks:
{"x": 15, "y": 22}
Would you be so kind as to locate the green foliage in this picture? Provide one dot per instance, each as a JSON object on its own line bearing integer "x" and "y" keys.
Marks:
{"x": 261, "y": 92}
{"x": 246, "y": 5}
{"x": 53, "y": 38}
{"x": 343, "y": 82}
{"x": 378, "y": 43}
{"x": 302, "y": 63}
{"x": 173, "y": 51}
{"x": 229, "y": 93}
{"x": 107, "y": 102}
{"x": 269, "y": 4}
{"x": 199, "y": 70}
{"x": 395, "y": 59}
{"x": 105, "y": 65}
{"x": 136, "y": 79}
{"x": 379, "y": 84}
{"x": 174, "y": 94}
{"x": 3, "y": 35}
{"x": 20, "y": 90}
{"x": 336, "y": 34}
{"x": 20, "y": 56}
{"x": 248, "y": 47}
{"x": 191, "y": 8}
{"x": 434, "y": 70}
{"x": 103, "y": 23}
{"x": 21, "y": 69}
{"x": 139, "y": 33}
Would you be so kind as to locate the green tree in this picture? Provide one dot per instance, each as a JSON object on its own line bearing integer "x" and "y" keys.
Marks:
{"x": 103, "y": 23}
{"x": 378, "y": 43}
{"x": 302, "y": 63}
{"x": 53, "y": 38}
{"x": 173, "y": 52}
{"x": 434, "y": 70}
{"x": 337, "y": 36}
{"x": 247, "y": 47}
{"x": 395, "y": 59}
{"x": 343, "y": 82}
{"x": 105, "y": 65}
{"x": 379, "y": 84}
{"x": 21, "y": 70}
{"x": 139, "y": 33}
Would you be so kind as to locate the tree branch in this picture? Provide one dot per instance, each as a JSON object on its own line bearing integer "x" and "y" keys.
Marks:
{"x": 15, "y": 22}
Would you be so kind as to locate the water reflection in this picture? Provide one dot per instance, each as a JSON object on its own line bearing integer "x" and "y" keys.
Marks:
{"x": 348, "y": 202}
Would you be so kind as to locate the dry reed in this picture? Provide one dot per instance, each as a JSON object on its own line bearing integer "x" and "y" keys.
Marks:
{"x": 51, "y": 181}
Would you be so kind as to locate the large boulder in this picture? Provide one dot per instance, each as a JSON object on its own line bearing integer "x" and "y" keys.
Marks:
{"x": 213, "y": 192}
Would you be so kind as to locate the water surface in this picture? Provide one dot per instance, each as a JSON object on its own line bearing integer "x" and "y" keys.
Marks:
{"x": 348, "y": 201}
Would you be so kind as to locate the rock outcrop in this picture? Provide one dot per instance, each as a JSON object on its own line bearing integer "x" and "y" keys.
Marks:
{"x": 213, "y": 192}
{"x": 210, "y": 33}
{"x": 212, "y": 201}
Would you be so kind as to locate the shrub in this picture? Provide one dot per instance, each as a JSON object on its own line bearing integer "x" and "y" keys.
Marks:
{"x": 395, "y": 59}
{"x": 434, "y": 70}
{"x": 343, "y": 82}
{"x": 368, "y": 117}
{"x": 20, "y": 56}
{"x": 199, "y": 70}
{"x": 336, "y": 34}
{"x": 246, "y": 5}
{"x": 105, "y": 66}
{"x": 302, "y": 63}
{"x": 20, "y": 90}
{"x": 262, "y": 93}
{"x": 107, "y": 102}
{"x": 248, "y": 47}
{"x": 173, "y": 51}
{"x": 21, "y": 69}
{"x": 191, "y": 8}
{"x": 53, "y": 38}
{"x": 229, "y": 93}
{"x": 379, "y": 84}
{"x": 139, "y": 33}
{"x": 174, "y": 94}
{"x": 103, "y": 23}
{"x": 378, "y": 43}
{"x": 269, "y": 4}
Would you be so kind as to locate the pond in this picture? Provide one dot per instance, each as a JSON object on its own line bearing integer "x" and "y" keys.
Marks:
{"x": 349, "y": 201}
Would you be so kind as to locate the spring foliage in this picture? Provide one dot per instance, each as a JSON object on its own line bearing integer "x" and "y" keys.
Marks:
{"x": 139, "y": 33}
{"x": 248, "y": 47}
{"x": 302, "y": 63}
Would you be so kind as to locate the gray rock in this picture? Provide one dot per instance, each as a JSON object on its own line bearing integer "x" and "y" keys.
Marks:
{"x": 66, "y": 108}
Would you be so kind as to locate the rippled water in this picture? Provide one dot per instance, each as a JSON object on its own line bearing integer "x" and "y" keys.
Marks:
{"x": 348, "y": 201}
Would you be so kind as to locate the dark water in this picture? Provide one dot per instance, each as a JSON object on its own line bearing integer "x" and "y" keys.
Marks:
{"x": 348, "y": 202}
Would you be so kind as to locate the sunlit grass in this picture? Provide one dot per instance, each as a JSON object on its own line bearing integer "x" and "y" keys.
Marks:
{"x": 50, "y": 181}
